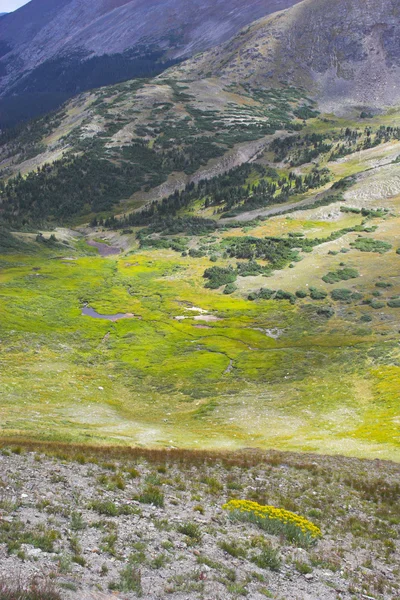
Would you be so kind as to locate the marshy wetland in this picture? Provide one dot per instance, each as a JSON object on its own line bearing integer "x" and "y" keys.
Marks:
{"x": 170, "y": 362}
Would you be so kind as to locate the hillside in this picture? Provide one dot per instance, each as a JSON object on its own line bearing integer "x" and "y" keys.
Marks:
{"x": 238, "y": 229}
{"x": 207, "y": 115}
{"x": 110, "y": 525}
{"x": 344, "y": 53}
{"x": 200, "y": 301}
{"x": 139, "y": 140}
{"x": 52, "y": 50}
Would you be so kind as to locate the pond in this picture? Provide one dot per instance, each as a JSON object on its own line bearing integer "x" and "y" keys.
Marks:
{"x": 90, "y": 312}
{"x": 104, "y": 249}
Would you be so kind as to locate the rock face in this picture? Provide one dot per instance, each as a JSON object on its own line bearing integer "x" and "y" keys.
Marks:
{"x": 46, "y": 41}
{"x": 344, "y": 52}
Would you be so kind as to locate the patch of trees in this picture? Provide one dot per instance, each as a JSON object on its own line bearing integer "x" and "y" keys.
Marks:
{"x": 219, "y": 276}
{"x": 76, "y": 185}
{"x": 212, "y": 191}
{"x": 370, "y": 245}
{"x": 302, "y": 149}
{"x": 277, "y": 251}
{"x": 298, "y": 150}
{"x": 178, "y": 244}
{"x": 277, "y": 191}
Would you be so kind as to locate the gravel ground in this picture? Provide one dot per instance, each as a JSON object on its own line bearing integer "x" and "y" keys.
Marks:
{"x": 130, "y": 527}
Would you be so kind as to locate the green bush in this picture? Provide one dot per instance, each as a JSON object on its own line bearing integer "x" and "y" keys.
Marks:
{"x": 383, "y": 285}
{"x": 152, "y": 495}
{"x": 196, "y": 253}
{"x": 130, "y": 581}
{"x": 317, "y": 294}
{"x": 110, "y": 509}
{"x": 282, "y": 295}
{"x": 219, "y": 276}
{"x": 301, "y": 294}
{"x": 341, "y": 294}
{"x": 230, "y": 288}
{"x": 326, "y": 311}
{"x": 377, "y": 304}
{"x": 366, "y": 319}
{"x": 268, "y": 558}
{"x": 394, "y": 303}
{"x": 191, "y": 530}
{"x": 341, "y": 275}
{"x": 266, "y": 294}
{"x": 371, "y": 245}
{"x": 233, "y": 548}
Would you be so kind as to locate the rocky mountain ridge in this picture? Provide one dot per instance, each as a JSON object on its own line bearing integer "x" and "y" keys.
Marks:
{"x": 343, "y": 53}
{"x": 56, "y": 49}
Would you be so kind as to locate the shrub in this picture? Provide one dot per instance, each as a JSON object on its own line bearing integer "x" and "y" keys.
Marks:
{"x": 303, "y": 567}
{"x": 233, "y": 548}
{"x": 326, "y": 311}
{"x": 341, "y": 294}
{"x": 341, "y": 275}
{"x": 275, "y": 520}
{"x": 366, "y": 319}
{"x": 317, "y": 294}
{"x": 230, "y": 288}
{"x": 268, "y": 558}
{"x": 196, "y": 253}
{"x": 191, "y": 530}
{"x": 371, "y": 245}
{"x": 130, "y": 581}
{"x": 110, "y": 509}
{"x": 133, "y": 473}
{"x": 219, "y": 276}
{"x": 377, "y": 304}
{"x": 152, "y": 495}
{"x": 282, "y": 295}
{"x": 394, "y": 303}
{"x": 301, "y": 294}
{"x": 249, "y": 268}
{"x": 77, "y": 522}
{"x": 266, "y": 294}
{"x": 383, "y": 285}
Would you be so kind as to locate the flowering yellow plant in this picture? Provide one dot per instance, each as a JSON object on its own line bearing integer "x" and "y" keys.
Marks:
{"x": 274, "y": 520}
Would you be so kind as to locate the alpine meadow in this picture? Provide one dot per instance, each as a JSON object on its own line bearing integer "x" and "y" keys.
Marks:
{"x": 200, "y": 300}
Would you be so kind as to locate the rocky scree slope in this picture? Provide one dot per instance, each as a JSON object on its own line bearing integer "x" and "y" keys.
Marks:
{"x": 344, "y": 53}
{"x": 101, "y": 527}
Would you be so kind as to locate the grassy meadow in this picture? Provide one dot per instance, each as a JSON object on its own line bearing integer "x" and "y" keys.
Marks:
{"x": 232, "y": 373}
{"x": 314, "y": 366}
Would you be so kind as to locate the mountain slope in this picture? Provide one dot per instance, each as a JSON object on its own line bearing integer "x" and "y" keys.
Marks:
{"x": 57, "y": 48}
{"x": 144, "y": 140}
{"x": 343, "y": 53}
